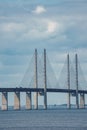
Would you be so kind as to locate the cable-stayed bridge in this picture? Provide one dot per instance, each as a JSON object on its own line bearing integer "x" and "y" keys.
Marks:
{"x": 40, "y": 79}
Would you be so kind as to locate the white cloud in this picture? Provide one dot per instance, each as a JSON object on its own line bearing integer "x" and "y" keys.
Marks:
{"x": 12, "y": 27}
{"x": 52, "y": 26}
{"x": 39, "y": 10}
{"x": 41, "y": 29}
{"x": 31, "y": 29}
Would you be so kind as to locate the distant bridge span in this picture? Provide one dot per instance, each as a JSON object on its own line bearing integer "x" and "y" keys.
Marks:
{"x": 41, "y": 90}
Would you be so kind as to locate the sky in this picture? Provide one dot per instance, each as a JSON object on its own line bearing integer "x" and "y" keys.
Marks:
{"x": 59, "y": 26}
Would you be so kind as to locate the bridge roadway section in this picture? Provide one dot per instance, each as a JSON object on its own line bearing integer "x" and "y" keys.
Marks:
{"x": 20, "y": 89}
{"x": 40, "y": 91}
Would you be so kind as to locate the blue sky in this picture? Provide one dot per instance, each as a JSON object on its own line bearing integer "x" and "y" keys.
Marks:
{"x": 60, "y": 26}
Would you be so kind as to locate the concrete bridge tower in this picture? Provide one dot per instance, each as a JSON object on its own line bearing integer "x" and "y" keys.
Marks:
{"x": 76, "y": 67}
{"x": 36, "y": 82}
{"x": 68, "y": 81}
{"x": 45, "y": 81}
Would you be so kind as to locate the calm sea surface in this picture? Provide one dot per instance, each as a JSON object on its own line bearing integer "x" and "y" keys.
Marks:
{"x": 61, "y": 119}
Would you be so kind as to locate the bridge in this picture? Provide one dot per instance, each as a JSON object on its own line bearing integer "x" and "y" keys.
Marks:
{"x": 41, "y": 82}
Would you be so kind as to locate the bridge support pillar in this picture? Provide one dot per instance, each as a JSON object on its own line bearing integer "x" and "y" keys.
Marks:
{"x": 82, "y": 100}
{"x": 45, "y": 100}
{"x": 68, "y": 103}
{"x": 17, "y": 100}
{"x": 4, "y": 101}
{"x": 28, "y": 100}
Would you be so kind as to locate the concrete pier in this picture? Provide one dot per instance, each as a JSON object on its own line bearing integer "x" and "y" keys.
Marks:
{"x": 82, "y": 100}
{"x": 17, "y": 100}
{"x": 4, "y": 101}
{"x": 28, "y": 101}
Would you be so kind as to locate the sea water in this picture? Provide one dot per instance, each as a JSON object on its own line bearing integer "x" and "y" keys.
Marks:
{"x": 61, "y": 119}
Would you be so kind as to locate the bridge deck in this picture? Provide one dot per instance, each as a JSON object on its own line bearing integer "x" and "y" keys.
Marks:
{"x": 41, "y": 90}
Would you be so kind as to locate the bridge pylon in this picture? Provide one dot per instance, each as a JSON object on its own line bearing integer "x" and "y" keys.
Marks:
{"x": 45, "y": 81}
{"x": 76, "y": 70}
{"x": 68, "y": 81}
{"x": 36, "y": 82}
